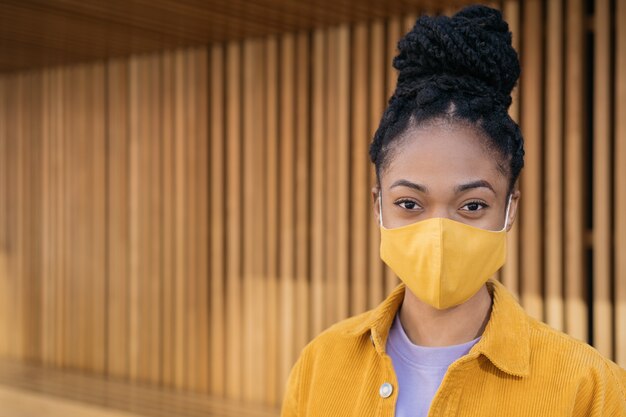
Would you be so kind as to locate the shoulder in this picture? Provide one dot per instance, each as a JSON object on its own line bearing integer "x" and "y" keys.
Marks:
{"x": 577, "y": 360}
{"x": 341, "y": 334}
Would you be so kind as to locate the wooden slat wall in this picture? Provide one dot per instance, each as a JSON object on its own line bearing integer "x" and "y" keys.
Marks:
{"x": 192, "y": 218}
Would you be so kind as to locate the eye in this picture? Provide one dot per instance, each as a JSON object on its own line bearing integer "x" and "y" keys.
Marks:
{"x": 474, "y": 206}
{"x": 408, "y": 204}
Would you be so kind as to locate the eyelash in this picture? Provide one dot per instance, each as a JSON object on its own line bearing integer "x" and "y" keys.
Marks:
{"x": 399, "y": 202}
{"x": 480, "y": 203}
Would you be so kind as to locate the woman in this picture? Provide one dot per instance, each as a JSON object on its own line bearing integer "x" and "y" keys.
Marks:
{"x": 449, "y": 341}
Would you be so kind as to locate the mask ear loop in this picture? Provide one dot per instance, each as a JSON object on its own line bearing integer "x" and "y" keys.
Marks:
{"x": 380, "y": 209}
{"x": 506, "y": 216}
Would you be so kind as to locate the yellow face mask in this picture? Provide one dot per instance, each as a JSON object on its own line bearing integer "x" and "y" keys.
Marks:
{"x": 442, "y": 261}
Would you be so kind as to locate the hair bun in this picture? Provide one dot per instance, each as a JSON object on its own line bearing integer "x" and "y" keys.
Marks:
{"x": 473, "y": 46}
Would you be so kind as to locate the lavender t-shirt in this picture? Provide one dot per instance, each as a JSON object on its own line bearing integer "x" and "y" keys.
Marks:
{"x": 419, "y": 370}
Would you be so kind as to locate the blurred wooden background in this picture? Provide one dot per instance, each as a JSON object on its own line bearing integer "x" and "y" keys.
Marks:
{"x": 192, "y": 217}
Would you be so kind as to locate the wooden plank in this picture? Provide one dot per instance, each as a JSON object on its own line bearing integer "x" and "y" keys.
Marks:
{"x": 287, "y": 208}
{"x": 75, "y": 204}
{"x": 4, "y": 217}
{"x": 154, "y": 183}
{"x": 217, "y": 215}
{"x": 554, "y": 167}
{"x": 318, "y": 186}
{"x": 359, "y": 195}
{"x": 64, "y": 168}
{"x": 84, "y": 174}
{"x": 191, "y": 217}
{"x": 180, "y": 306}
{"x": 47, "y": 283}
{"x": 234, "y": 349}
{"x": 602, "y": 291}
{"x": 531, "y": 286}
{"x": 342, "y": 140}
{"x": 253, "y": 252}
{"x": 134, "y": 216}
{"x": 169, "y": 220}
{"x": 395, "y": 30}
{"x": 145, "y": 266}
{"x": 620, "y": 186}
{"x": 378, "y": 96}
{"x": 302, "y": 194}
{"x": 331, "y": 190}
{"x": 202, "y": 174}
{"x": 510, "y": 272}
{"x": 576, "y": 299}
{"x": 117, "y": 214}
{"x": 274, "y": 392}
{"x": 97, "y": 263}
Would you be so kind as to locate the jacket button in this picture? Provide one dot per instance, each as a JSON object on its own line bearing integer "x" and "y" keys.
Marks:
{"x": 385, "y": 390}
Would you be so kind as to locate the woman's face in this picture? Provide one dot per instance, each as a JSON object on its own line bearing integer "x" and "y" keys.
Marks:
{"x": 444, "y": 170}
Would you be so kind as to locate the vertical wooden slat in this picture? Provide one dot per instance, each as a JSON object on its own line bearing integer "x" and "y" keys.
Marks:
{"x": 342, "y": 141}
{"x": 331, "y": 190}
{"x": 554, "y": 167}
{"x": 602, "y": 302}
{"x": 531, "y": 285}
{"x": 378, "y": 95}
{"x": 145, "y": 266}
{"x": 575, "y": 304}
{"x": 234, "y": 372}
{"x": 63, "y": 215}
{"x": 98, "y": 268}
{"x": 510, "y": 271}
{"x": 72, "y": 207}
{"x": 180, "y": 152}
{"x": 47, "y": 279}
{"x": 168, "y": 155}
{"x": 253, "y": 196}
{"x": 217, "y": 220}
{"x": 4, "y": 244}
{"x": 81, "y": 161}
{"x": 620, "y": 186}
{"x": 190, "y": 309}
{"x": 134, "y": 215}
{"x": 302, "y": 194}
{"x": 273, "y": 390}
{"x": 360, "y": 209}
{"x": 191, "y": 220}
{"x": 318, "y": 136}
{"x": 117, "y": 213}
{"x": 154, "y": 182}
{"x": 286, "y": 209}
{"x": 395, "y": 30}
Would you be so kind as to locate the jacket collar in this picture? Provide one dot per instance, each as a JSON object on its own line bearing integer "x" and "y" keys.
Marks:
{"x": 505, "y": 341}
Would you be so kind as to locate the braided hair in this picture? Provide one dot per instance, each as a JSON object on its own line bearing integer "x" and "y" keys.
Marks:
{"x": 460, "y": 69}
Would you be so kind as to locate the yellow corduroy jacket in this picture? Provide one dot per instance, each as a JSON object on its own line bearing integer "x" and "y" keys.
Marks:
{"x": 520, "y": 367}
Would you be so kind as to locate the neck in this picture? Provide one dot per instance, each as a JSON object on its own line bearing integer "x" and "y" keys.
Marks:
{"x": 427, "y": 326}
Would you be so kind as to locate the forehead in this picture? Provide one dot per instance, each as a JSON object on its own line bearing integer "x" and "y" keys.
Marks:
{"x": 443, "y": 155}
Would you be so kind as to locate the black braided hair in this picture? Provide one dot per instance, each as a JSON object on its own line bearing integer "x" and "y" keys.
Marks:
{"x": 462, "y": 69}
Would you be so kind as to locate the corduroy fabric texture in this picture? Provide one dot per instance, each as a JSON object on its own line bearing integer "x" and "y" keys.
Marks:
{"x": 520, "y": 367}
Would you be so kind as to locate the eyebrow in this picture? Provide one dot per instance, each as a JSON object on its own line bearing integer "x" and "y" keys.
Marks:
{"x": 407, "y": 183}
{"x": 474, "y": 184}
{"x": 458, "y": 189}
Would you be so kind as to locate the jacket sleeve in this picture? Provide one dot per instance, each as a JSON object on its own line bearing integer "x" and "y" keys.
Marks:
{"x": 603, "y": 393}
{"x": 290, "y": 407}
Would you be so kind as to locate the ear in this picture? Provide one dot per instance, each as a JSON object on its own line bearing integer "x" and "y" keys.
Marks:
{"x": 375, "y": 205}
{"x": 515, "y": 196}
